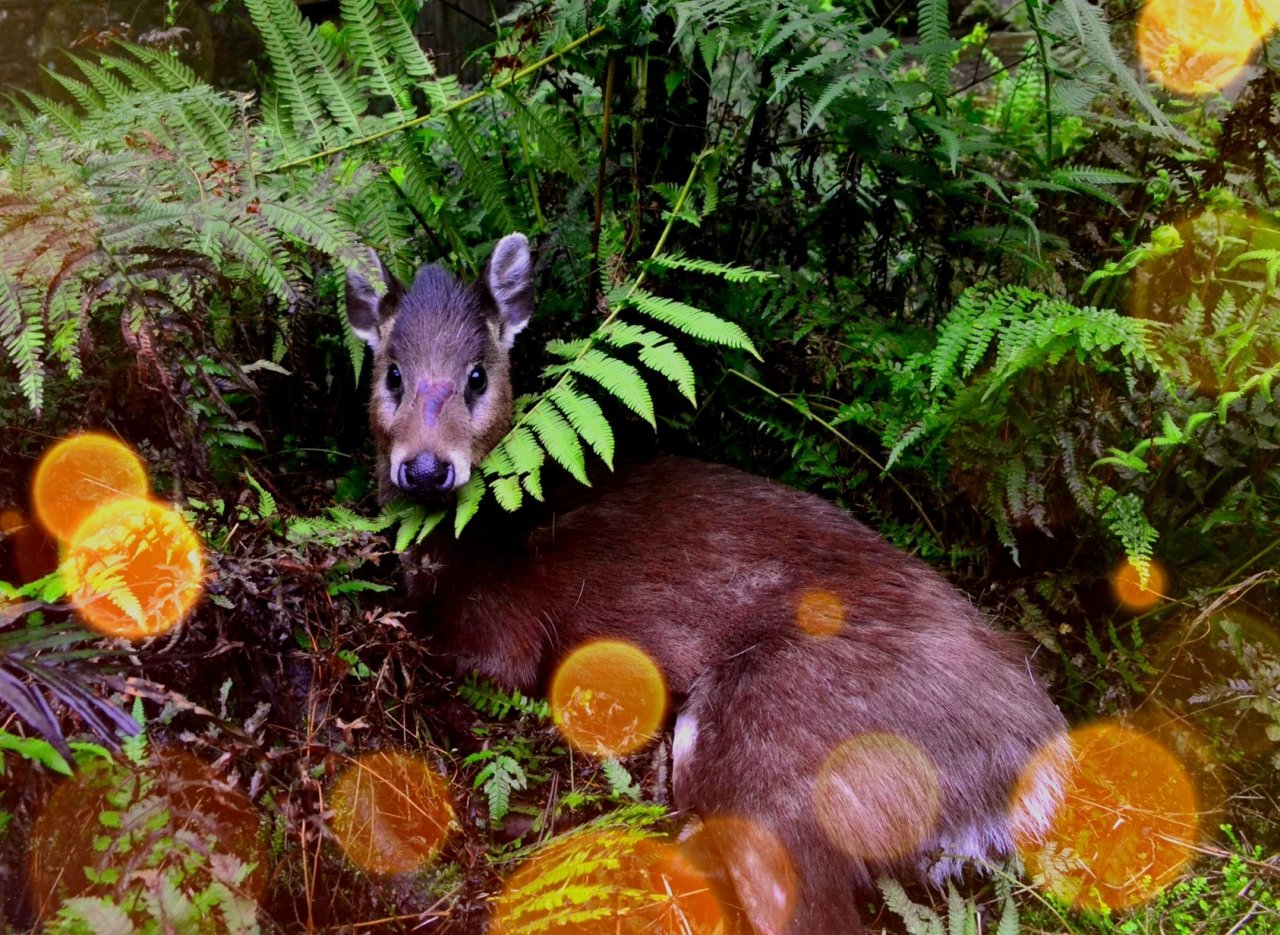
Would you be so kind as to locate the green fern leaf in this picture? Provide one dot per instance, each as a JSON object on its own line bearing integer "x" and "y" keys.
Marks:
{"x": 368, "y": 37}
{"x": 586, "y": 417}
{"x": 110, "y": 88}
{"x": 619, "y": 378}
{"x": 460, "y": 131}
{"x": 665, "y": 358}
{"x": 310, "y": 227}
{"x": 693, "y": 321}
{"x": 469, "y": 497}
{"x": 734, "y": 274}
{"x": 507, "y": 491}
{"x": 935, "y": 37}
{"x": 404, "y": 46}
{"x": 525, "y": 452}
{"x": 559, "y": 439}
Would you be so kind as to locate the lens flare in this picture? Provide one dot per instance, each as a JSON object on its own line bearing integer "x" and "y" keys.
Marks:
{"x": 763, "y": 874}
{"x": 392, "y": 812}
{"x": 116, "y": 823}
{"x": 81, "y": 473}
{"x": 604, "y": 882}
{"x": 877, "y": 796}
{"x": 133, "y": 568}
{"x": 26, "y": 553}
{"x": 1199, "y": 47}
{"x": 1207, "y": 281}
{"x": 820, "y": 613}
{"x": 1191, "y": 659}
{"x": 608, "y": 698}
{"x": 1126, "y": 826}
{"x": 1133, "y": 592}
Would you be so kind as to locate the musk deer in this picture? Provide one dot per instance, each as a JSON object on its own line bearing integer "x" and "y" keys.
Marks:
{"x": 705, "y": 568}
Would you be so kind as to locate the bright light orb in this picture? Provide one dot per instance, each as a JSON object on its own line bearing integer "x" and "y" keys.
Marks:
{"x": 133, "y": 568}
{"x": 392, "y": 812}
{"x": 605, "y": 882}
{"x": 1133, "y": 592}
{"x": 1126, "y": 826}
{"x": 1199, "y": 47}
{"x": 608, "y": 698}
{"x": 765, "y": 879}
{"x": 170, "y": 820}
{"x": 820, "y": 613}
{"x": 877, "y": 797}
{"x": 81, "y": 473}
{"x": 31, "y": 551}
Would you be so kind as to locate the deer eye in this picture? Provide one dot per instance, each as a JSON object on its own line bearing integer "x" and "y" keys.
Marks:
{"x": 477, "y": 380}
{"x": 393, "y": 379}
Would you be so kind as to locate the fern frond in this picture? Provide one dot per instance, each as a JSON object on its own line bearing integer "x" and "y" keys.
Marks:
{"x": 310, "y": 227}
{"x": 111, "y": 90}
{"x": 257, "y": 248}
{"x": 559, "y": 439}
{"x": 405, "y": 49}
{"x": 586, "y": 417}
{"x": 489, "y": 699}
{"x": 734, "y": 274}
{"x": 480, "y": 173}
{"x": 370, "y": 46}
{"x": 89, "y": 100}
{"x": 1089, "y": 23}
{"x": 317, "y": 93}
{"x": 935, "y": 36}
{"x": 692, "y": 321}
{"x": 549, "y": 135}
{"x": 619, "y": 378}
{"x": 1125, "y": 517}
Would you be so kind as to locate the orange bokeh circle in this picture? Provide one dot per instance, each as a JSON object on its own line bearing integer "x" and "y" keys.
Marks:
{"x": 877, "y": 797}
{"x": 81, "y": 473}
{"x": 608, "y": 698}
{"x": 391, "y": 812}
{"x": 1199, "y": 47}
{"x": 1130, "y": 590}
{"x": 31, "y": 553}
{"x": 605, "y": 882}
{"x": 136, "y": 820}
{"x": 762, "y": 871}
{"x": 1127, "y": 824}
{"x": 820, "y": 613}
{"x": 133, "y": 568}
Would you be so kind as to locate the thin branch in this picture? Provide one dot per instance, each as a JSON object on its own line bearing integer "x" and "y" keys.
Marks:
{"x": 848, "y": 441}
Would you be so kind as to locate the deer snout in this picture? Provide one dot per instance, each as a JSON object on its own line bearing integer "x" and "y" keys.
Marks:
{"x": 426, "y": 475}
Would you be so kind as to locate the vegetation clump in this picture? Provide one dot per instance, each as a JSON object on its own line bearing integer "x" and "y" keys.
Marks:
{"x": 998, "y": 278}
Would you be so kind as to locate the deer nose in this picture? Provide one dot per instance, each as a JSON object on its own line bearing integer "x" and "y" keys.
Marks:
{"x": 426, "y": 475}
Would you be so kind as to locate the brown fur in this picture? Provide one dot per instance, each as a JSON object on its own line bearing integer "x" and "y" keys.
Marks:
{"x": 703, "y": 567}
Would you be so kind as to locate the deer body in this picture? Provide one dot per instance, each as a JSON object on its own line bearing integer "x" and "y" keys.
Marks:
{"x": 708, "y": 570}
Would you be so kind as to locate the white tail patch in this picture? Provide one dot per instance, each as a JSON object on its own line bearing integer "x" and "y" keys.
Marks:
{"x": 1041, "y": 791}
{"x": 684, "y": 743}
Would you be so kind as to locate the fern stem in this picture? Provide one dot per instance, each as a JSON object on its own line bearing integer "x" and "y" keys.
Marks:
{"x": 444, "y": 111}
{"x": 848, "y": 441}
{"x": 617, "y": 308}
{"x": 538, "y": 220}
{"x": 592, "y": 279}
{"x": 1033, "y": 14}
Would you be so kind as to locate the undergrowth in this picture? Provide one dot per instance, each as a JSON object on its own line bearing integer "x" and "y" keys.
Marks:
{"x": 965, "y": 271}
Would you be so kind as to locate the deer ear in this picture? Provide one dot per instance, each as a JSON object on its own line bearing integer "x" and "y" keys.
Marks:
{"x": 372, "y": 293}
{"x": 509, "y": 278}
